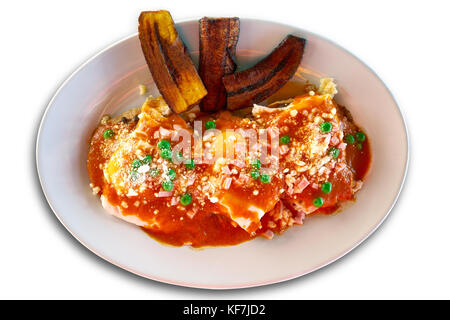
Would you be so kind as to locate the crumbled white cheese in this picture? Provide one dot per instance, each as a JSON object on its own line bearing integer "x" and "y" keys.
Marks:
{"x": 95, "y": 190}
{"x": 143, "y": 169}
{"x": 131, "y": 193}
{"x": 213, "y": 199}
{"x": 142, "y": 89}
{"x": 328, "y": 87}
{"x": 318, "y": 120}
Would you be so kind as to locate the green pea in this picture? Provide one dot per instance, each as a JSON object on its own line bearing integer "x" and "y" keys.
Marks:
{"x": 166, "y": 154}
{"x": 326, "y": 187}
{"x": 164, "y": 145}
{"x": 136, "y": 163}
{"x": 265, "y": 178}
{"x": 190, "y": 164}
{"x": 167, "y": 185}
{"x": 210, "y": 124}
{"x": 285, "y": 139}
{"x": 359, "y": 146}
{"x": 318, "y": 202}
{"x": 185, "y": 199}
{"x": 154, "y": 172}
{"x": 108, "y": 133}
{"x": 326, "y": 127}
{"x": 171, "y": 174}
{"x": 147, "y": 159}
{"x": 334, "y": 152}
{"x": 350, "y": 139}
{"x": 256, "y": 164}
{"x": 360, "y": 136}
{"x": 255, "y": 174}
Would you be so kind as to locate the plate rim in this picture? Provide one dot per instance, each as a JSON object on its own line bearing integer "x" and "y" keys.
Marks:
{"x": 251, "y": 284}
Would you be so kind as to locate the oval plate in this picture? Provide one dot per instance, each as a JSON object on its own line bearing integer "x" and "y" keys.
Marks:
{"x": 108, "y": 84}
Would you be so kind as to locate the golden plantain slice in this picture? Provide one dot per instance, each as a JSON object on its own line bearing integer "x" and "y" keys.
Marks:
{"x": 171, "y": 66}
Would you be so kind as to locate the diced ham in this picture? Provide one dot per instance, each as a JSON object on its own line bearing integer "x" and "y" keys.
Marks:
{"x": 327, "y": 139}
{"x": 290, "y": 191}
{"x": 226, "y": 170}
{"x": 190, "y": 181}
{"x": 299, "y": 217}
{"x": 357, "y": 186}
{"x": 194, "y": 211}
{"x": 243, "y": 178}
{"x": 315, "y": 186}
{"x": 301, "y": 185}
{"x": 163, "y": 194}
{"x": 177, "y": 127}
{"x": 268, "y": 234}
{"x": 221, "y": 179}
{"x": 334, "y": 141}
{"x": 156, "y": 135}
{"x": 164, "y": 132}
{"x": 174, "y": 201}
{"x": 342, "y": 146}
{"x": 284, "y": 149}
{"x": 190, "y": 214}
{"x": 339, "y": 167}
{"x": 300, "y": 208}
{"x": 227, "y": 183}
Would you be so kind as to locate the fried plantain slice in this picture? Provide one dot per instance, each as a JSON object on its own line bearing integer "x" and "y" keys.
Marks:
{"x": 266, "y": 77}
{"x": 171, "y": 66}
{"x": 218, "y": 40}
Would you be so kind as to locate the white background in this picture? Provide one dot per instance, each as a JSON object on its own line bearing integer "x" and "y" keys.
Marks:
{"x": 406, "y": 42}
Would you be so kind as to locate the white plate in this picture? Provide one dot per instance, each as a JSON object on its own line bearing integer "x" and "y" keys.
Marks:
{"x": 108, "y": 83}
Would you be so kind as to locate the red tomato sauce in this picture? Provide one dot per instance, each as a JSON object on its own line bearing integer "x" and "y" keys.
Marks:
{"x": 205, "y": 223}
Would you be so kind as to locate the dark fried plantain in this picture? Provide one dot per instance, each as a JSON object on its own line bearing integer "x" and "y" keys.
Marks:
{"x": 218, "y": 40}
{"x": 266, "y": 77}
{"x": 170, "y": 64}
